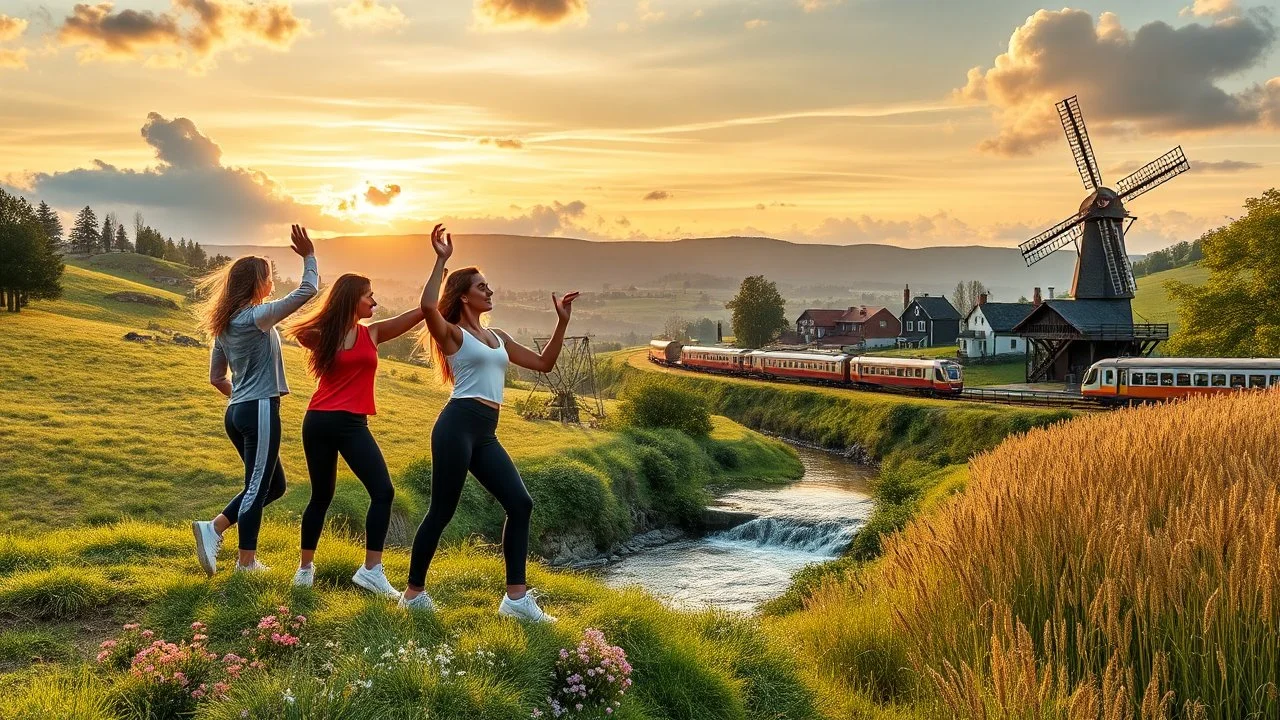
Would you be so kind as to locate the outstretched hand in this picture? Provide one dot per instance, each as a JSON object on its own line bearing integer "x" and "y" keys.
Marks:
{"x": 442, "y": 242}
{"x": 301, "y": 244}
{"x": 564, "y": 305}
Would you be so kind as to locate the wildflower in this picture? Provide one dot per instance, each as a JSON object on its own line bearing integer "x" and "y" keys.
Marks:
{"x": 288, "y": 696}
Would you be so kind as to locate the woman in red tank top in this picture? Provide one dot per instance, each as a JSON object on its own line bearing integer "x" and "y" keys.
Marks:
{"x": 343, "y": 356}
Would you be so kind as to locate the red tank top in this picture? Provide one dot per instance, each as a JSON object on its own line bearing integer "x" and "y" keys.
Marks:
{"x": 348, "y": 385}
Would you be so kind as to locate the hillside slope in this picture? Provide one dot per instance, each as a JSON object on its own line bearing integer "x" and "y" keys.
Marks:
{"x": 1153, "y": 304}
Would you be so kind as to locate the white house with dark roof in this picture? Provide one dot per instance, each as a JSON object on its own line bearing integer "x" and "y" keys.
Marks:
{"x": 988, "y": 329}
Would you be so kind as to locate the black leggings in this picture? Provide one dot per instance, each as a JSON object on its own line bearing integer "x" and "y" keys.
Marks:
{"x": 325, "y": 435}
{"x": 463, "y": 439}
{"x": 254, "y": 428}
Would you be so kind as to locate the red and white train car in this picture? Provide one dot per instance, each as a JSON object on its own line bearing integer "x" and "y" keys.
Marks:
{"x": 941, "y": 377}
{"x": 712, "y": 359}
{"x": 664, "y": 352}
{"x": 814, "y": 367}
{"x": 1126, "y": 380}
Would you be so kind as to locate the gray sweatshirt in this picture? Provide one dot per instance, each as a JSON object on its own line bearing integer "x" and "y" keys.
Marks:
{"x": 251, "y": 345}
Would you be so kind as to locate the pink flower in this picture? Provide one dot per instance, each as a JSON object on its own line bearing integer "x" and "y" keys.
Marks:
{"x": 131, "y": 626}
{"x": 147, "y": 633}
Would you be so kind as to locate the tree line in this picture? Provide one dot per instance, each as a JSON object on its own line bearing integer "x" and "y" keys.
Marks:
{"x": 88, "y": 238}
{"x": 1174, "y": 256}
{"x": 30, "y": 259}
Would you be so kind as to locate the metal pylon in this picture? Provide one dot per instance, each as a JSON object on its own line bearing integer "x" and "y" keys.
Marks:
{"x": 571, "y": 383}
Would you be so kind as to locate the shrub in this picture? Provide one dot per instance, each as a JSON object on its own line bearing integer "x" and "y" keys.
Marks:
{"x": 652, "y": 401}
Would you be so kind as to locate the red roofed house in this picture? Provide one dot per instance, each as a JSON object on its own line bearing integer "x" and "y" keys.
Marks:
{"x": 813, "y": 325}
{"x": 861, "y": 326}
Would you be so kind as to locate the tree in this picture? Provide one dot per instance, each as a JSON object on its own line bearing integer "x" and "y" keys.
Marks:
{"x": 122, "y": 239}
{"x": 704, "y": 330}
{"x": 673, "y": 328}
{"x": 107, "y": 237}
{"x": 759, "y": 313}
{"x": 967, "y": 294}
{"x": 49, "y": 220}
{"x": 84, "y": 234}
{"x": 30, "y": 264}
{"x": 1234, "y": 314}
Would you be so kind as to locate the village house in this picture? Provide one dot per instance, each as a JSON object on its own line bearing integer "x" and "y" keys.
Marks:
{"x": 988, "y": 329}
{"x": 928, "y": 321}
{"x": 861, "y": 327}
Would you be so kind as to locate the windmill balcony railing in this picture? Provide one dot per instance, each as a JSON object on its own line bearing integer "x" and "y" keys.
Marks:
{"x": 1102, "y": 331}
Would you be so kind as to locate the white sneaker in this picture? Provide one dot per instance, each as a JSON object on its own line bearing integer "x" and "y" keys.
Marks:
{"x": 256, "y": 567}
{"x": 305, "y": 577}
{"x": 421, "y": 601}
{"x": 526, "y": 608}
{"x": 375, "y": 581}
{"x": 208, "y": 543}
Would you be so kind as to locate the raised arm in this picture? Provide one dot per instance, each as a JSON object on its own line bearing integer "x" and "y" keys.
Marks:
{"x": 268, "y": 314}
{"x": 218, "y": 369}
{"x": 392, "y": 328}
{"x": 545, "y": 360}
{"x": 447, "y": 335}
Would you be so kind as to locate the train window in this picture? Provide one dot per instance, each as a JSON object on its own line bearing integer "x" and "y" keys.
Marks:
{"x": 1184, "y": 379}
{"x": 937, "y": 375}
{"x": 1091, "y": 377}
{"x": 1257, "y": 381}
{"x": 1275, "y": 379}
{"x": 1109, "y": 377}
{"x": 1237, "y": 381}
{"x": 1219, "y": 380}
{"x": 1166, "y": 379}
{"x": 1136, "y": 379}
{"x": 1200, "y": 379}
{"x": 1153, "y": 378}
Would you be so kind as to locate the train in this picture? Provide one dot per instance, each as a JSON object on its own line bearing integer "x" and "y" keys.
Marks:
{"x": 934, "y": 377}
{"x": 1110, "y": 382}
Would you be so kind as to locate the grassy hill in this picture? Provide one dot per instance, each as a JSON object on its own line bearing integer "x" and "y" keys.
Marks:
{"x": 139, "y": 268}
{"x": 1153, "y": 304}
{"x": 108, "y": 447}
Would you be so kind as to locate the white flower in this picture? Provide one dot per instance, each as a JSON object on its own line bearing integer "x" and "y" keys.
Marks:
{"x": 288, "y": 696}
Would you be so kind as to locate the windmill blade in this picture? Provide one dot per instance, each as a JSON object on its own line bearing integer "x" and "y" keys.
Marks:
{"x": 1157, "y": 172}
{"x": 1058, "y": 236}
{"x": 1078, "y": 139}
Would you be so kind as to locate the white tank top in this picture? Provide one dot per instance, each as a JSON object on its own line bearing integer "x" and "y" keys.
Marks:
{"x": 479, "y": 371}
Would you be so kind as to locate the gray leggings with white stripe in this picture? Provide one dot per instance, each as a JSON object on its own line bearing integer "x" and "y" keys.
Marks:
{"x": 254, "y": 428}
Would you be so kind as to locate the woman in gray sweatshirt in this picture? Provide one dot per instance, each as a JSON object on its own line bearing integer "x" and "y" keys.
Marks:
{"x": 245, "y": 340}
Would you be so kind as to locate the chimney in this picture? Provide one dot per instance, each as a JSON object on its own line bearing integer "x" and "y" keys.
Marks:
{"x": 1050, "y": 293}
{"x": 719, "y": 332}
{"x": 1035, "y": 297}
{"x": 906, "y": 296}
{"x": 982, "y": 299}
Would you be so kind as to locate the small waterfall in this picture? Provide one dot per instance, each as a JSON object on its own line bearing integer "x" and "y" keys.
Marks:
{"x": 821, "y": 538}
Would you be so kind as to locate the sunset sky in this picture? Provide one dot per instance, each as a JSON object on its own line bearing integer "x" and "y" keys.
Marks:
{"x": 839, "y": 121}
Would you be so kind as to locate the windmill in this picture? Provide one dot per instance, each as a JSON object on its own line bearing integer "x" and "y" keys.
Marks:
{"x": 1103, "y": 270}
{"x": 571, "y": 383}
{"x": 1066, "y": 336}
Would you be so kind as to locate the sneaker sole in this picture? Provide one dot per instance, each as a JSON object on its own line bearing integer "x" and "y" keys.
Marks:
{"x": 356, "y": 580}
{"x": 202, "y": 553}
{"x": 522, "y": 618}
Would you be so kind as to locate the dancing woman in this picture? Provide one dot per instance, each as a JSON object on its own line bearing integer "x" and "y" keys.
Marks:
{"x": 473, "y": 359}
{"x": 343, "y": 355}
{"x": 244, "y": 334}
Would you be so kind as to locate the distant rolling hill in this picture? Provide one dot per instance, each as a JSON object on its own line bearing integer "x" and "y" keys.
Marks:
{"x": 527, "y": 263}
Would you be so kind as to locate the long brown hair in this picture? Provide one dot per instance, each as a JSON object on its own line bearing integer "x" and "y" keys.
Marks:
{"x": 450, "y": 306}
{"x": 323, "y": 329}
{"x": 228, "y": 290}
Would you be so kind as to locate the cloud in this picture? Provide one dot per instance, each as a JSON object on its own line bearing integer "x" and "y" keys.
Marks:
{"x": 816, "y": 5}
{"x": 1224, "y": 166}
{"x": 11, "y": 28}
{"x": 506, "y": 143}
{"x": 647, "y": 14}
{"x": 189, "y": 192}
{"x": 382, "y": 197}
{"x": 1157, "y": 79}
{"x": 530, "y": 13}
{"x": 1212, "y": 8}
{"x": 755, "y": 24}
{"x": 760, "y": 206}
{"x": 370, "y": 16}
{"x": 13, "y": 59}
{"x": 554, "y": 219}
{"x": 658, "y": 195}
{"x": 193, "y": 34}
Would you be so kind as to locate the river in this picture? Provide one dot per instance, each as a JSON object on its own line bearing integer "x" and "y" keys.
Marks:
{"x": 808, "y": 521}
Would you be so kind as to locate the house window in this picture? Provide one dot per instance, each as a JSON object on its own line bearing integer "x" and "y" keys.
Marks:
{"x": 1013, "y": 343}
{"x": 910, "y": 325}
{"x": 1200, "y": 379}
{"x": 884, "y": 323}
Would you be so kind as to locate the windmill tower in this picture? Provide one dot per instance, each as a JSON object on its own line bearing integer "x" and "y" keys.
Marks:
{"x": 571, "y": 383}
{"x": 1099, "y": 322}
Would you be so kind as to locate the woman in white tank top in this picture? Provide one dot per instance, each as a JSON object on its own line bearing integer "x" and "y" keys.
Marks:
{"x": 473, "y": 359}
